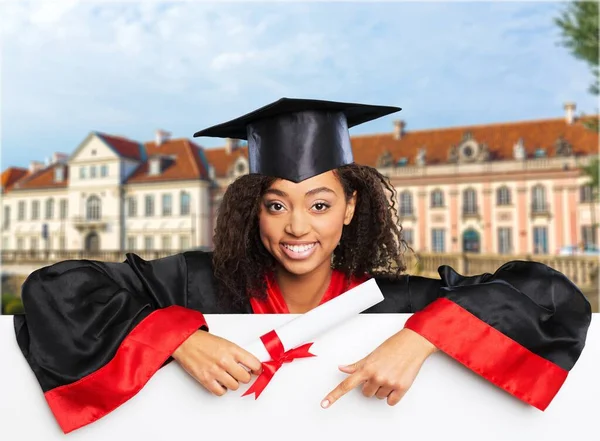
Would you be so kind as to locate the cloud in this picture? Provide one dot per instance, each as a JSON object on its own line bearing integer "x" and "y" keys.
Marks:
{"x": 70, "y": 67}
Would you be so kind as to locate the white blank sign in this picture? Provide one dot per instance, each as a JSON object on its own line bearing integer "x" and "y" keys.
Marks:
{"x": 446, "y": 402}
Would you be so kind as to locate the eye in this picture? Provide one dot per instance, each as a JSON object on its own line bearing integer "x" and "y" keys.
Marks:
{"x": 321, "y": 206}
{"x": 275, "y": 206}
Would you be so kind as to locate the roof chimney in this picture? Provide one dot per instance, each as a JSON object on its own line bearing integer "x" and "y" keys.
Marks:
{"x": 231, "y": 145}
{"x": 569, "y": 112}
{"x": 59, "y": 157}
{"x": 161, "y": 136}
{"x": 399, "y": 128}
{"x": 35, "y": 166}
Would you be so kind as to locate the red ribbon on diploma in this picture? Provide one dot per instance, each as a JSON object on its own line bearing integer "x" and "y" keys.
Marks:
{"x": 278, "y": 357}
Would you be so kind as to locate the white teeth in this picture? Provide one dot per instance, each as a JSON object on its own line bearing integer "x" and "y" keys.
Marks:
{"x": 299, "y": 248}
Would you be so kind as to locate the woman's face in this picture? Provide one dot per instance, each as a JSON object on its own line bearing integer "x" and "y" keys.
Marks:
{"x": 301, "y": 224}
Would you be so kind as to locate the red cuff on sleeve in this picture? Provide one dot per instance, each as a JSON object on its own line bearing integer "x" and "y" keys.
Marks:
{"x": 488, "y": 352}
{"x": 139, "y": 357}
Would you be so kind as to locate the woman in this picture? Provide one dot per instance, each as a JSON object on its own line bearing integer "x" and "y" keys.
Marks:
{"x": 305, "y": 226}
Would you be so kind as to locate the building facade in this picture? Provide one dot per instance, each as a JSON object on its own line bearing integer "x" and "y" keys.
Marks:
{"x": 510, "y": 188}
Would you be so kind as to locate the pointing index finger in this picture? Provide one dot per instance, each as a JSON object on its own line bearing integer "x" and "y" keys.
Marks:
{"x": 342, "y": 389}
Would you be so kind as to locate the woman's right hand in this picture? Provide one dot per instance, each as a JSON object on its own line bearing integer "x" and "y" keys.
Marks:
{"x": 214, "y": 362}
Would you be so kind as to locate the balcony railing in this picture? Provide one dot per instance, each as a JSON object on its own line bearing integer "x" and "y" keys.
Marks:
{"x": 82, "y": 222}
{"x": 540, "y": 209}
{"x": 470, "y": 210}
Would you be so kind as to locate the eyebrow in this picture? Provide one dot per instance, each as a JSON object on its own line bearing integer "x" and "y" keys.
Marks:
{"x": 308, "y": 193}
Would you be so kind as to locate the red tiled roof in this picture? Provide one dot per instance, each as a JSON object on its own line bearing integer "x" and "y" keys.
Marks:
{"x": 124, "y": 147}
{"x": 500, "y": 139}
{"x": 11, "y": 175}
{"x": 42, "y": 179}
{"x": 184, "y": 165}
{"x": 221, "y": 160}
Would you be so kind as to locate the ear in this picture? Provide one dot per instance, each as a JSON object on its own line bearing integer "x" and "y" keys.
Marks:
{"x": 350, "y": 207}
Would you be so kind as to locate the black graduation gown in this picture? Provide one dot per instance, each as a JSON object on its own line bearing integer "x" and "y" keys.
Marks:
{"x": 94, "y": 333}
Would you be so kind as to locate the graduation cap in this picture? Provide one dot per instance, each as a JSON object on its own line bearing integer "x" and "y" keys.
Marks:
{"x": 296, "y": 139}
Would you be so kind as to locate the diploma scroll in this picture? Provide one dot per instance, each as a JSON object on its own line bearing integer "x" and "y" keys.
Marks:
{"x": 317, "y": 321}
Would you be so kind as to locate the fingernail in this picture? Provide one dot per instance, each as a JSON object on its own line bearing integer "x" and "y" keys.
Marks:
{"x": 324, "y": 404}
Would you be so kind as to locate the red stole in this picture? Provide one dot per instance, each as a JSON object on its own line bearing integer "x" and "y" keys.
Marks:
{"x": 275, "y": 304}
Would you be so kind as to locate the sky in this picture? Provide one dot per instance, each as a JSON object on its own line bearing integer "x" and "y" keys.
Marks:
{"x": 70, "y": 67}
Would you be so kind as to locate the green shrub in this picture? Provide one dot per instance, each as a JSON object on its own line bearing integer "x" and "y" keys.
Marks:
{"x": 11, "y": 304}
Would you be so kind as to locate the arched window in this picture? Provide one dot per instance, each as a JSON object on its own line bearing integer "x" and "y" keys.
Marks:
{"x": 503, "y": 196}
{"x": 437, "y": 198}
{"x": 406, "y": 208}
{"x": 469, "y": 201}
{"x": 538, "y": 198}
{"x": 93, "y": 208}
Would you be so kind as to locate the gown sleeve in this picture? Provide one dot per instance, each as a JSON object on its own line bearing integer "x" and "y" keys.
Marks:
{"x": 94, "y": 333}
{"x": 522, "y": 328}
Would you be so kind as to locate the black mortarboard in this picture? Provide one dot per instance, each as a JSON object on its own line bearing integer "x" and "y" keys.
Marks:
{"x": 296, "y": 139}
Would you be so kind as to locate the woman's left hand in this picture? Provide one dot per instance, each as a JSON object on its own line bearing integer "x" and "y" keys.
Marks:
{"x": 388, "y": 371}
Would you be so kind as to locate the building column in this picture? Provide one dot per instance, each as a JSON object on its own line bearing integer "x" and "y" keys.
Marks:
{"x": 486, "y": 246}
{"x": 522, "y": 213}
{"x": 573, "y": 214}
{"x": 421, "y": 222}
{"x": 454, "y": 239}
{"x": 558, "y": 217}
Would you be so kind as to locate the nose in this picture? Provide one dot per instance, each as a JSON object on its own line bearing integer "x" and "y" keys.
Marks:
{"x": 298, "y": 224}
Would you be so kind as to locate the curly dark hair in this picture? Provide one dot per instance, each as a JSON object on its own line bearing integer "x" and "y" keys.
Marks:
{"x": 371, "y": 244}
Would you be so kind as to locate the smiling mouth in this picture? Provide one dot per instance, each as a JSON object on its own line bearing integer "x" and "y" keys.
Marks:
{"x": 299, "y": 252}
{"x": 300, "y": 248}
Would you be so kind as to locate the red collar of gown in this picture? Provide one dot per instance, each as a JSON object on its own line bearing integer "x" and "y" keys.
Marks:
{"x": 275, "y": 304}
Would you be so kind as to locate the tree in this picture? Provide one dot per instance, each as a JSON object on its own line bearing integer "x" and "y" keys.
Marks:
{"x": 579, "y": 32}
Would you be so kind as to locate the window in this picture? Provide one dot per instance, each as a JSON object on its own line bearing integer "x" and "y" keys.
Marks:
{"x": 34, "y": 244}
{"x": 538, "y": 198}
{"x": 167, "y": 205}
{"x": 5, "y": 243}
{"x": 185, "y": 203}
{"x": 6, "y": 219}
{"x": 132, "y": 206}
{"x": 437, "y": 198}
{"x": 587, "y": 235}
{"x": 93, "y": 171}
{"x": 20, "y": 243}
{"x": 166, "y": 243}
{"x": 586, "y": 193}
{"x": 94, "y": 208}
{"x": 148, "y": 243}
{"x": 64, "y": 206}
{"x": 184, "y": 242}
{"x": 438, "y": 240}
{"x": 49, "y": 208}
{"x": 21, "y": 211}
{"x": 504, "y": 240}
{"x": 35, "y": 210}
{"x": 82, "y": 172}
{"x": 503, "y": 196}
{"x": 406, "y": 208}
{"x": 149, "y": 205}
{"x": 104, "y": 171}
{"x": 62, "y": 243}
{"x": 407, "y": 235}
{"x": 59, "y": 173}
{"x": 540, "y": 240}
{"x": 469, "y": 201}
{"x": 155, "y": 166}
{"x": 131, "y": 242}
